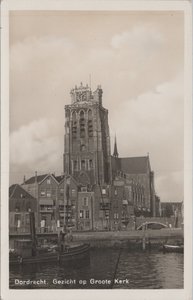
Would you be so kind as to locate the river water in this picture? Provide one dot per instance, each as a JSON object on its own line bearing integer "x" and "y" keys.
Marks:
{"x": 106, "y": 269}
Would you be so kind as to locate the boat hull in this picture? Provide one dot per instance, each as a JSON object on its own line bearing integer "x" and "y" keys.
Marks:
{"x": 68, "y": 256}
{"x": 173, "y": 248}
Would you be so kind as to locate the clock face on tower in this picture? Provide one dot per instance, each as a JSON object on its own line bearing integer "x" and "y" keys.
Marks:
{"x": 81, "y": 96}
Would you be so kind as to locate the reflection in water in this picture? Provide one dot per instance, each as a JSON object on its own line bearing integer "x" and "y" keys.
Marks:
{"x": 136, "y": 270}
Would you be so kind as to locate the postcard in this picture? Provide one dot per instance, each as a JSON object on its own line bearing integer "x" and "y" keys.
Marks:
{"x": 96, "y": 166}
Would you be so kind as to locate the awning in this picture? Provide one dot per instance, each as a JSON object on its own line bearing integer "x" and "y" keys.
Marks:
{"x": 46, "y": 202}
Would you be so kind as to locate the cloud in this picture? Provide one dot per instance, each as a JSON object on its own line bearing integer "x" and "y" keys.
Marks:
{"x": 35, "y": 144}
{"x": 144, "y": 38}
{"x": 170, "y": 185}
{"x": 136, "y": 66}
{"x": 153, "y": 123}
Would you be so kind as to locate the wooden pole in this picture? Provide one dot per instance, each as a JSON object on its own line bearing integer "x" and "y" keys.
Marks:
{"x": 33, "y": 232}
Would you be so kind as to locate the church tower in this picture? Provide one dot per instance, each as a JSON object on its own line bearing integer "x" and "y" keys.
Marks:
{"x": 87, "y": 141}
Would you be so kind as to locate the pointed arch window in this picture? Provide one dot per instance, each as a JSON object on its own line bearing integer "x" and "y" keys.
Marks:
{"x": 82, "y": 147}
{"x": 82, "y": 124}
{"x": 83, "y": 164}
{"x": 90, "y": 164}
{"x": 75, "y": 165}
{"x": 90, "y": 124}
{"x": 74, "y": 125}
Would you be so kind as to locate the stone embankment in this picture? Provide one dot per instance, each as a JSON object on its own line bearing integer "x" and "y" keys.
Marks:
{"x": 130, "y": 239}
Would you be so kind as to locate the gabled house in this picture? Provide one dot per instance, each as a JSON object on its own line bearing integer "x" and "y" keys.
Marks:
{"x": 20, "y": 204}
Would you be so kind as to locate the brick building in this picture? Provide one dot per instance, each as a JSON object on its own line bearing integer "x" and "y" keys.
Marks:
{"x": 20, "y": 204}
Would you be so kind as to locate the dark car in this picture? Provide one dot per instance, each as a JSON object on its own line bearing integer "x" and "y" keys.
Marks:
{"x": 152, "y": 225}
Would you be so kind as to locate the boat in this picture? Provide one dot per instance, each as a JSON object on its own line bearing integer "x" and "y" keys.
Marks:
{"x": 70, "y": 254}
{"x": 27, "y": 251}
{"x": 173, "y": 248}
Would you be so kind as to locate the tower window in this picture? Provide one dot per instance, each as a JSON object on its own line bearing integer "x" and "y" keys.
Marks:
{"x": 82, "y": 124}
{"x": 75, "y": 165}
{"x": 83, "y": 165}
{"x": 90, "y": 124}
{"x": 82, "y": 148}
{"x": 82, "y": 132}
{"x": 67, "y": 114}
{"x": 74, "y": 125}
{"x": 90, "y": 164}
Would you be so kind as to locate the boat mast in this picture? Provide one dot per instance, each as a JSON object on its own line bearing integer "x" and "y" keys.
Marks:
{"x": 33, "y": 232}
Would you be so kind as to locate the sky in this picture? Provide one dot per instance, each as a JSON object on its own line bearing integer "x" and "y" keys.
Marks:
{"x": 137, "y": 58}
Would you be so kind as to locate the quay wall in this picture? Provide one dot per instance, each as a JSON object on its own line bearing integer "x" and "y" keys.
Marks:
{"x": 130, "y": 239}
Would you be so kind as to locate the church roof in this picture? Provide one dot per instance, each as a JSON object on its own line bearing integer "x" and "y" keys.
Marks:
{"x": 134, "y": 165}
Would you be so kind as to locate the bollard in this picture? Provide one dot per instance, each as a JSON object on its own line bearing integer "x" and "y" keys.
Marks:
{"x": 143, "y": 243}
{"x": 144, "y": 239}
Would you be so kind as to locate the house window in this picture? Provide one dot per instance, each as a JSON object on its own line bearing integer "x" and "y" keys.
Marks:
{"x": 28, "y": 206}
{"x": 61, "y": 207}
{"x": 48, "y": 181}
{"x": 83, "y": 189}
{"x": 81, "y": 214}
{"x": 104, "y": 191}
{"x": 87, "y": 214}
{"x": 17, "y": 220}
{"x": 115, "y": 192}
{"x": 61, "y": 192}
{"x": 42, "y": 194}
{"x": 85, "y": 201}
{"x": 48, "y": 193}
{"x": 17, "y": 206}
{"x": 116, "y": 215}
{"x": 73, "y": 192}
{"x": 27, "y": 219}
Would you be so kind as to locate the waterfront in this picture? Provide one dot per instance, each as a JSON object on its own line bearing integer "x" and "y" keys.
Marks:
{"x": 135, "y": 270}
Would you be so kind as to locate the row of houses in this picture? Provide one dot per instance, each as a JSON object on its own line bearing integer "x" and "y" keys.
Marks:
{"x": 59, "y": 200}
